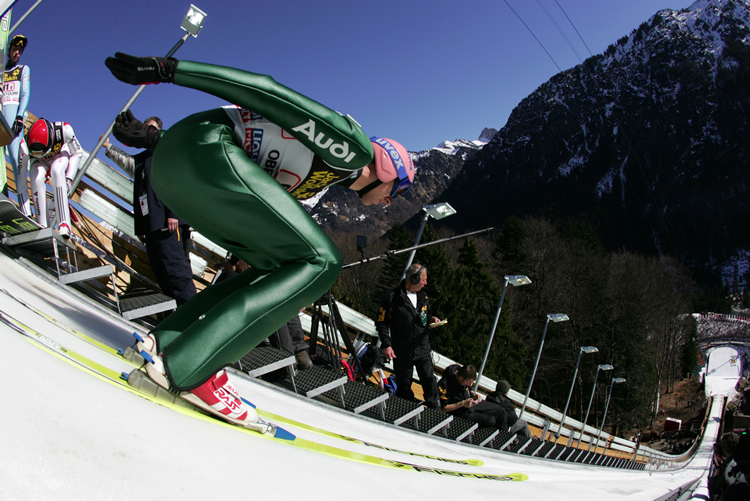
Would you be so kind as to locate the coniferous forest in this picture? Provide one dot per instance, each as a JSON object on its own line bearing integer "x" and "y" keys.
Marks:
{"x": 634, "y": 308}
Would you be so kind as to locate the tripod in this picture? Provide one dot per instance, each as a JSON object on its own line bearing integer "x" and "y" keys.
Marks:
{"x": 333, "y": 329}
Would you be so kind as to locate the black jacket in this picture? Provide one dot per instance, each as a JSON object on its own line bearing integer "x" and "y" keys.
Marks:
{"x": 403, "y": 327}
{"x": 139, "y": 168}
{"x": 157, "y": 211}
{"x": 507, "y": 404}
{"x": 451, "y": 391}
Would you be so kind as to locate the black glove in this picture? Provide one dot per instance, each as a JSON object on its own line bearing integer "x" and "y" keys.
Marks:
{"x": 18, "y": 126}
{"x": 141, "y": 70}
{"x": 132, "y": 132}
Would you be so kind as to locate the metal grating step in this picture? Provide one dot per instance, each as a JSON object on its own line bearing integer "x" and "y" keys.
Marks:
{"x": 544, "y": 449}
{"x": 569, "y": 451}
{"x": 555, "y": 452}
{"x": 484, "y": 436}
{"x": 432, "y": 420}
{"x": 264, "y": 359}
{"x": 141, "y": 304}
{"x": 533, "y": 446}
{"x": 317, "y": 380}
{"x": 358, "y": 397}
{"x": 519, "y": 444}
{"x": 575, "y": 455}
{"x": 398, "y": 410}
{"x": 502, "y": 440}
{"x": 459, "y": 429}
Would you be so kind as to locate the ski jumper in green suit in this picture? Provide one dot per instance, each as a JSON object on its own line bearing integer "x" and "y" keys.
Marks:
{"x": 212, "y": 169}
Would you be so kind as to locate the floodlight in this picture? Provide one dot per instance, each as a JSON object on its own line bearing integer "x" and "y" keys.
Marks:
{"x": 193, "y": 22}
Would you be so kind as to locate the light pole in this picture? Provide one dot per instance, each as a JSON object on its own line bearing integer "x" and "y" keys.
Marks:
{"x": 584, "y": 349}
{"x": 438, "y": 211}
{"x": 192, "y": 24}
{"x": 615, "y": 380}
{"x": 515, "y": 280}
{"x": 601, "y": 367}
{"x": 555, "y": 317}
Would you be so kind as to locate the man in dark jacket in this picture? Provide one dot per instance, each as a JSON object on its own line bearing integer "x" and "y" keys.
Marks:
{"x": 155, "y": 225}
{"x": 457, "y": 398}
{"x": 510, "y": 421}
{"x": 403, "y": 324}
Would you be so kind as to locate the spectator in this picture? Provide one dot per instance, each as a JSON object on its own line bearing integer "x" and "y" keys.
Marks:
{"x": 510, "y": 421}
{"x": 457, "y": 398}
{"x": 16, "y": 92}
{"x": 236, "y": 176}
{"x": 155, "y": 225}
{"x": 732, "y": 467}
{"x": 291, "y": 338}
{"x": 54, "y": 150}
{"x": 403, "y": 327}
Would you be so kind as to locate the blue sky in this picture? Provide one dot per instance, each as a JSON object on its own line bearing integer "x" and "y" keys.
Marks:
{"x": 419, "y": 72}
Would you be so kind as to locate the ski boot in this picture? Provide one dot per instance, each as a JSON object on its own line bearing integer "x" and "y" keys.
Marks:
{"x": 216, "y": 396}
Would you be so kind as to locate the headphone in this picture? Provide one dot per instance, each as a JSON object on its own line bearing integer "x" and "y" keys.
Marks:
{"x": 416, "y": 277}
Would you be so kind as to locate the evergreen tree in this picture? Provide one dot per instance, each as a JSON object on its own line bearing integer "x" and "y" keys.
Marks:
{"x": 399, "y": 238}
{"x": 690, "y": 350}
{"x": 439, "y": 269}
{"x": 509, "y": 245}
{"x": 470, "y": 303}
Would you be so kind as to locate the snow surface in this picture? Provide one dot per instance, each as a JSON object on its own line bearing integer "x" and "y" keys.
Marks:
{"x": 723, "y": 370}
{"x": 69, "y": 434}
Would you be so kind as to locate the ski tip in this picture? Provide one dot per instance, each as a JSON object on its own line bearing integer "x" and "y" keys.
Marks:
{"x": 283, "y": 434}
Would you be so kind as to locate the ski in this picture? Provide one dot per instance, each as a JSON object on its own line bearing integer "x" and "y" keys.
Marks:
{"x": 134, "y": 358}
{"x": 133, "y": 382}
{"x": 128, "y": 353}
{"x": 111, "y": 376}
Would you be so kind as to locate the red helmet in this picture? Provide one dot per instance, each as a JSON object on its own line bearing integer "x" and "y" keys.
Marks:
{"x": 40, "y": 138}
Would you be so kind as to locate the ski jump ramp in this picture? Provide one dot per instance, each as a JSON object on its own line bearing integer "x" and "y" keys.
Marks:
{"x": 68, "y": 433}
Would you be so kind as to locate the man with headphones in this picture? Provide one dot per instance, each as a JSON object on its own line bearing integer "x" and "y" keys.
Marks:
{"x": 403, "y": 324}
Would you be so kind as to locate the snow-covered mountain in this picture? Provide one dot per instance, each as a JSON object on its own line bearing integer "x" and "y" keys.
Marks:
{"x": 647, "y": 141}
{"x": 339, "y": 211}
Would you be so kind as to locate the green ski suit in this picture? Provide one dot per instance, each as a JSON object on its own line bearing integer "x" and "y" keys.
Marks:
{"x": 201, "y": 171}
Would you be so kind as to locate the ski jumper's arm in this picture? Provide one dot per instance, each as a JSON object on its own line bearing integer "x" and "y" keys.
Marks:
{"x": 337, "y": 139}
{"x": 124, "y": 160}
{"x": 25, "y": 92}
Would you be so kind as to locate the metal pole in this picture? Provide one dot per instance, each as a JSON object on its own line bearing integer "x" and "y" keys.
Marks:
{"x": 21, "y": 19}
{"x": 591, "y": 400}
{"x": 416, "y": 242}
{"x": 570, "y": 394}
{"x": 604, "y": 417}
{"x": 533, "y": 374}
{"x": 400, "y": 251}
{"x": 104, "y": 137}
{"x": 492, "y": 334}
